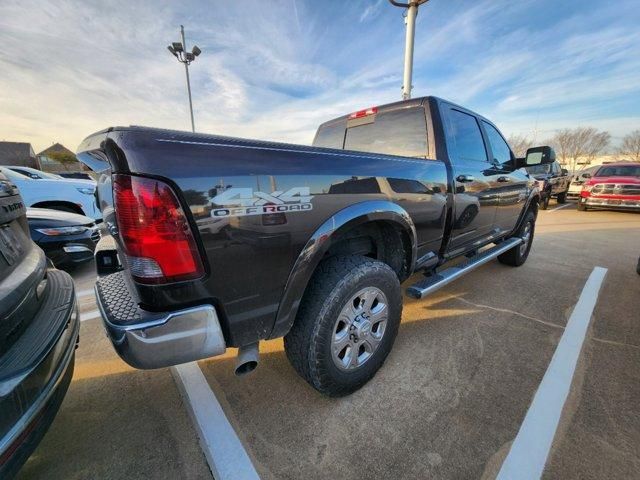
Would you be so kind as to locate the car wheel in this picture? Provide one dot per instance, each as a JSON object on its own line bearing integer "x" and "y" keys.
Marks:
{"x": 581, "y": 207}
{"x": 544, "y": 204}
{"x": 562, "y": 197}
{"x": 519, "y": 254}
{"x": 346, "y": 325}
{"x": 638, "y": 267}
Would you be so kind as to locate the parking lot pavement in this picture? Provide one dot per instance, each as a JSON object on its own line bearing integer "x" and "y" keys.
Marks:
{"x": 447, "y": 404}
{"x": 600, "y": 430}
{"x": 115, "y": 422}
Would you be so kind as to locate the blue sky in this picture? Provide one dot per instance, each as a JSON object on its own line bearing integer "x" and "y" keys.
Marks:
{"x": 276, "y": 69}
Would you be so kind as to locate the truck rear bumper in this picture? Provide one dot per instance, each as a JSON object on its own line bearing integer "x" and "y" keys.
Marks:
{"x": 148, "y": 340}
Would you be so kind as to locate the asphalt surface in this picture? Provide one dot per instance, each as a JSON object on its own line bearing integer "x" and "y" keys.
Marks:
{"x": 447, "y": 404}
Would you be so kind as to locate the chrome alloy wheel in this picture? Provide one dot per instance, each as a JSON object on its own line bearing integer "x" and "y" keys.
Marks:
{"x": 359, "y": 328}
{"x": 526, "y": 238}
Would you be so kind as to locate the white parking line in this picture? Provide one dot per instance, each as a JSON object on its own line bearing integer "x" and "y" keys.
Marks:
{"x": 225, "y": 454}
{"x": 89, "y": 315}
{"x": 562, "y": 206}
{"x": 530, "y": 449}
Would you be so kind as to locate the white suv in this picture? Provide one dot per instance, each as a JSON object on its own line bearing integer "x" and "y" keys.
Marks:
{"x": 75, "y": 196}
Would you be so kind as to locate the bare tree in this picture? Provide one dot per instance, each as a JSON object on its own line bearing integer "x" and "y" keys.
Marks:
{"x": 562, "y": 142}
{"x": 630, "y": 148}
{"x": 574, "y": 144}
{"x": 519, "y": 145}
{"x": 597, "y": 143}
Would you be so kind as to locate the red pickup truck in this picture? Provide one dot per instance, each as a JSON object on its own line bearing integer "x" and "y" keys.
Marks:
{"x": 615, "y": 186}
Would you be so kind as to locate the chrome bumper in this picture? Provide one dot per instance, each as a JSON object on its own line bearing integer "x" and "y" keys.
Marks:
{"x": 611, "y": 203}
{"x": 155, "y": 340}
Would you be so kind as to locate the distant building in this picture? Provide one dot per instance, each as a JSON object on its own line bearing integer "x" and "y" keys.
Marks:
{"x": 48, "y": 164}
{"x": 17, "y": 153}
{"x": 599, "y": 160}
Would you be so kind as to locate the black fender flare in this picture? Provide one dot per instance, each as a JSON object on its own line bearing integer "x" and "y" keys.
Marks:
{"x": 534, "y": 197}
{"x": 319, "y": 243}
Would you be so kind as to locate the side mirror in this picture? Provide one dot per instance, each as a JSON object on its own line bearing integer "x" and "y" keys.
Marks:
{"x": 540, "y": 155}
{"x": 586, "y": 175}
{"x": 537, "y": 156}
{"x": 565, "y": 171}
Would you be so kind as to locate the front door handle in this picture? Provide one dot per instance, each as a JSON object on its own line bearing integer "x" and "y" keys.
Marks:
{"x": 503, "y": 179}
{"x": 465, "y": 178}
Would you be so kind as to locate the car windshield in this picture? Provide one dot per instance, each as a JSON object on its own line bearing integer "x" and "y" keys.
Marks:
{"x": 539, "y": 169}
{"x": 619, "y": 171}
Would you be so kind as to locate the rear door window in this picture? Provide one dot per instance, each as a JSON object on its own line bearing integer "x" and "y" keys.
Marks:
{"x": 400, "y": 132}
{"x": 464, "y": 139}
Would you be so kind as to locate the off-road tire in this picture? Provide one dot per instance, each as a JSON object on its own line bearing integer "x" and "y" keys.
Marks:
{"x": 562, "y": 197}
{"x": 308, "y": 343}
{"x": 518, "y": 255}
{"x": 544, "y": 204}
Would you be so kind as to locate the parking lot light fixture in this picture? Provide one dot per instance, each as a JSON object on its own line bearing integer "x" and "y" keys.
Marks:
{"x": 179, "y": 50}
{"x": 410, "y": 20}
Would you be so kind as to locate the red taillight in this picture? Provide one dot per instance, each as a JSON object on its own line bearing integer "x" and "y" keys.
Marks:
{"x": 364, "y": 113}
{"x": 154, "y": 231}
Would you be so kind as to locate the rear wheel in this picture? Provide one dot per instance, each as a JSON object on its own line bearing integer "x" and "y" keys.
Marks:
{"x": 562, "y": 197}
{"x": 544, "y": 204}
{"x": 519, "y": 254}
{"x": 346, "y": 324}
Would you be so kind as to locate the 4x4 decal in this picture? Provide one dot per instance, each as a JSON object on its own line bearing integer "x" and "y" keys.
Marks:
{"x": 240, "y": 202}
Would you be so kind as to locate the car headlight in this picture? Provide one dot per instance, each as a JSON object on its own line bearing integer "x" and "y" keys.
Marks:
{"x": 86, "y": 190}
{"x": 54, "y": 231}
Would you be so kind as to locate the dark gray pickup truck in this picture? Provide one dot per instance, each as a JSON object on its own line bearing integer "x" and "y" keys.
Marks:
{"x": 39, "y": 327}
{"x": 222, "y": 242}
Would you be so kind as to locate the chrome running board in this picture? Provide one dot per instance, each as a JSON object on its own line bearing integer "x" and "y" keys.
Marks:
{"x": 438, "y": 280}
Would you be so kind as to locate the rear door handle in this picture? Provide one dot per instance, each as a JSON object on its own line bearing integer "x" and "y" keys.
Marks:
{"x": 465, "y": 178}
{"x": 503, "y": 179}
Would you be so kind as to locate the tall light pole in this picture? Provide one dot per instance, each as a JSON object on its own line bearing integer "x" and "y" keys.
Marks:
{"x": 412, "y": 13}
{"x": 179, "y": 50}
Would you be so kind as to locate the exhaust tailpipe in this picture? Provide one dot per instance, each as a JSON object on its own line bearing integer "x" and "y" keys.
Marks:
{"x": 247, "y": 359}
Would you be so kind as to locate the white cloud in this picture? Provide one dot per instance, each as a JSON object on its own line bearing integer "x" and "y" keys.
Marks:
{"x": 277, "y": 69}
{"x": 371, "y": 11}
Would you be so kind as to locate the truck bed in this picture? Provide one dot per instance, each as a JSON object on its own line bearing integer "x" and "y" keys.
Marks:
{"x": 306, "y": 187}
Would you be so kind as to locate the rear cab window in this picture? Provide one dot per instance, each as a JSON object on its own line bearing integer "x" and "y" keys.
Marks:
{"x": 330, "y": 135}
{"x": 400, "y": 132}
